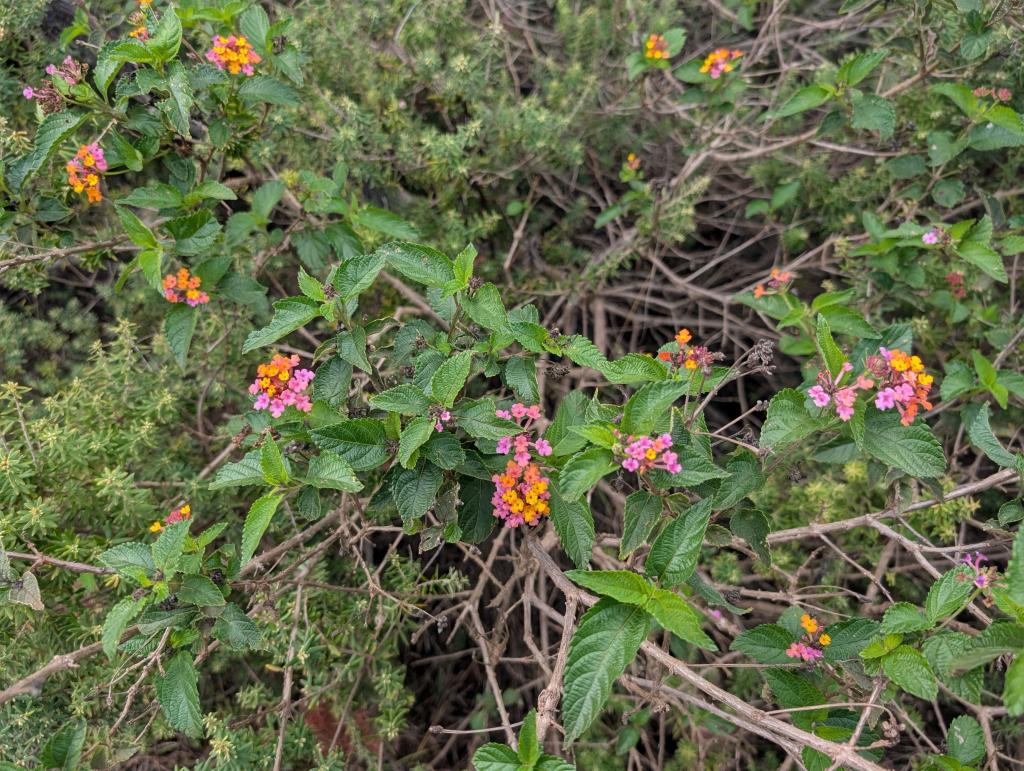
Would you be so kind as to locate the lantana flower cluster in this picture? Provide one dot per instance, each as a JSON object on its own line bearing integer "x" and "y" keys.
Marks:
{"x": 810, "y": 646}
{"x": 720, "y": 61}
{"x": 778, "y": 281}
{"x": 441, "y": 417}
{"x": 521, "y": 493}
{"x": 981, "y": 577}
{"x": 47, "y": 96}
{"x": 902, "y": 383}
{"x": 180, "y": 514}
{"x": 84, "y": 171}
{"x": 955, "y": 279}
{"x": 690, "y": 356}
{"x": 184, "y": 288}
{"x": 279, "y": 385}
{"x": 655, "y": 48}
{"x": 998, "y": 94}
{"x": 645, "y": 453}
{"x": 233, "y": 53}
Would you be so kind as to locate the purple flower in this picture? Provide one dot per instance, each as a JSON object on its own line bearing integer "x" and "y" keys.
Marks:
{"x": 931, "y": 237}
{"x": 504, "y": 445}
{"x": 28, "y": 92}
{"x": 543, "y": 447}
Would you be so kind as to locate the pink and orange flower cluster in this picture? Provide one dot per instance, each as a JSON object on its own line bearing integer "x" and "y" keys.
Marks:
{"x": 184, "y": 288}
{"x": 521, "y": 493}
{"x": 645, "y": 453}
{"x": 778, "y": 281}
{"x": 84, "y": 171}
{"x": 811, "y": 646}
{"x": 47, "y": 96}
{"x": 180, "y": 514}
{"x": 719, "y": 62}
{"x": 901, "y": 383}
{"x": 233, "y": 53}
{"x": 279, "y": 385}
{"x": 655, "y": 48}
{"x": 689, "y": 356}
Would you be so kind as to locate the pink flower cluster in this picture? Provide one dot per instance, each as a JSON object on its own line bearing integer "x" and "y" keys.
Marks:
{"x": 441, "y": 416}
{"x": 278, "y": 385}
{"x": 828, "y": 390}
{"x": 804, "y": 652}
{"x": 47, "y": 95}
{"x": 646, "y": 453}
{"x": 520, "y": 444}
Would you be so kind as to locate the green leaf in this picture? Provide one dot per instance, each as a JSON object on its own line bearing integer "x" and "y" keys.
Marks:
{"x": 641, "y": 514}
{"x": 874, "y": 113}
{"x": 405, "y": 399}
{"x": 255, "y": 26}
{"x": 256, "y": 523}
{"x": 984, "y": 257}
{"x": 849, "y": 638}
{"x": 178, "y": 693}
{"x": 988, "y": 376}
{"x": 1015, "y": 570}
{"x": 649, "y": 404}
{"x": 273, "y": 464}
{"x": 675, "y": 615}
{"x": 529, "y": 749}
{"x": 766, "y": 643}
{"x": 980, "y": 433}
{"x": 806, "y": 98}
{"x": 383, "y": 221}
{"x": 575, "y": 526}
{"x": 117, "y": 621}
{"x": 422, "y": 264}
{"x": 753, "y": 527}
{"x": 199, "y": 590}
{"x": 266, "y": 88}
{"x": 948, "y": 594}
{"x": 902, "y": 617}
{"x": 361, "y": 442}
{"x": 132, "y": 560}
{"x": 413, "y": 436}
{"x": 673, "y": 555}
{"x": 912, "y": 449}
{"x": 330, "y": 470}
{"x": 788, "y": 420}
{"x": 496, "y": 757}
{"x": 1013, "y": 687}
{"x": 247, "y": 471}
{"x": 169, "y": 545}
{"x": 476, "y": 517}
{"x": 179, "y": 326}
{"x": 959, "y": 94}
{"x": 605, "y": 642}
{"x": 965, "y": 740}
{"x": 236, "y": 630}
{"x": 51, "y": 133}
{"x": 356, "y": 275}
{"x": 156, "y": 196}
{"x": 63, "y": 749}
{"x": 136, "y": 229}
{"x": 583, "y": 471}
{"x": 911, "y": 671}
{"x": 1010, "y": 512}
{"x": 854, "y": 70}
{"x": 634, "y": 368}
{"x": 450, "y": 378}
{"x": 830, "y": 353}
{"x": 622, "y": 585}
{"x": 478, "y": 419}
{"x": 178, "y": 104}
{"x": 311, "y": 287}
{"x": 289, "y": 314}
{"x": 484, "y": 307}
{"x": 165, "y": 39}
{"x": 520, "y": 374}
{"x": 414, "y": 491}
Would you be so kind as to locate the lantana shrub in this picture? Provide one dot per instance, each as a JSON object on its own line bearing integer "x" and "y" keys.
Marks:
{"x": 242, "y": 526}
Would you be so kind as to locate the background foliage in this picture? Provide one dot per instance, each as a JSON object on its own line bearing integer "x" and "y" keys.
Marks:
{"x": 869, "y": 149}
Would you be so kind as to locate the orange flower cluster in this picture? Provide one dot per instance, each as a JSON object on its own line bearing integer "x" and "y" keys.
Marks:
{"x": 233, "y": 53}
{"x": 84, "y": 171}
{"x": 140, "y": 33}
{"x": 690, "y": 356}
{"x": 809, "y": 648}
{"x": 719, "y": 62}
{"x": 184, "y": 288}
{"x": 778, "y": 281}
{"x": 904, "y": 383}
{"x": 178, "y": 515}
{"x": 656, "y": 48}
{"x": 521, "y": 494}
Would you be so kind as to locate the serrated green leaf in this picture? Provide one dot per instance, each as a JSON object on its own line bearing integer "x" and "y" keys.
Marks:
{"x": 902, "y": 617}
{"x": 912, "y": 449}
{"x": 414, "y": 436}
{"x": 622, "y": 585}
{"x": 361, "y": 442}
{"x": 241, "y": 474}
{"x": 415, "y": 489}
{"x": 605, "y": 642}
{"x": 273, "y": 464}
{"x": 788, "y": 420}
{"x": 179, "y": 326}
{"x": 673, "y": 555}
{"x": 583, "y": 471}
{"x": 117, "y": 620}
{"x": 650, "y": 403}
{"x": 256, "y": 523}
{"x": 641, "y": 514}
{"x": 575, "y": 527}
{"x": 450, "y": 377}
{"x": 236, "y": 630}
{"x": 675, "y": 615}
{"x": 806, "y": 98}
{"x": 199, "y": 590}
{"x": 766, "y": 643}
{"x": 911, "y": 671}
{"x": 332, "y": 471}
{"x": 289, "y": 314}
{"x": 178, "y": 694}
